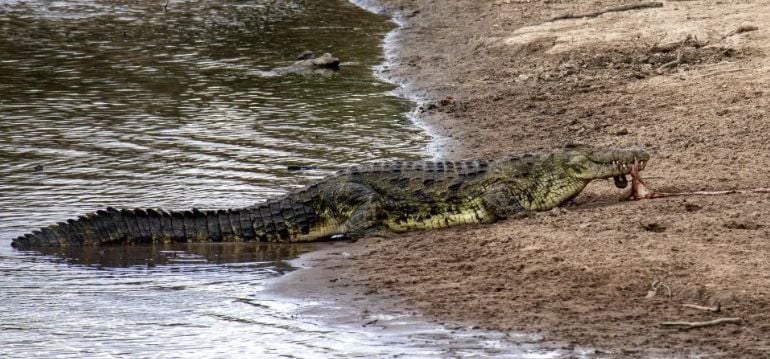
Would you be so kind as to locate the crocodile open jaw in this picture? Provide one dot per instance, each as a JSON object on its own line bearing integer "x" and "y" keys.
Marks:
{"x": 621, "y": 181}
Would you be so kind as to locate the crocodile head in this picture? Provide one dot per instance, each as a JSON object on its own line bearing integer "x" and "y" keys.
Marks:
{"x": 562, "y": 175}
{"x": 591, "y": 164}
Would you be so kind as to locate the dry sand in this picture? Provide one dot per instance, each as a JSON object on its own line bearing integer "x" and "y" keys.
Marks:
{"x": 683, "y": 80}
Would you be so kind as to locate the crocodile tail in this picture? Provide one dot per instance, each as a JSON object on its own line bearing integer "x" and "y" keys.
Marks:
{"x": 271, "y": 221}
{"x": 126, "y": 226}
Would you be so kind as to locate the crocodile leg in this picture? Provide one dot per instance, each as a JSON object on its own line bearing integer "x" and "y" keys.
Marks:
{"x": 357, "y": 207}
{"x": 501, "y": 201}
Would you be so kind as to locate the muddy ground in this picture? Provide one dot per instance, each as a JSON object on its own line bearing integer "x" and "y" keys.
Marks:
{"x": 689, "y": 80}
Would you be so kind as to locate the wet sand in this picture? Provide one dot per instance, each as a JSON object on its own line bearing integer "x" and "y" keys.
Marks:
{"x": 327, "y": 292}
{"x": 688, "y": 80}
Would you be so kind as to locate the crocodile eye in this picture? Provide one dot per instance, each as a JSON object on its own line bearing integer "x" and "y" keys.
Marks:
{"x": 577, "y": 169}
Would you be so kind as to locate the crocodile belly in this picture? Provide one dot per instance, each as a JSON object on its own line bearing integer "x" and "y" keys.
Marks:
{"x": 468, "y": 213}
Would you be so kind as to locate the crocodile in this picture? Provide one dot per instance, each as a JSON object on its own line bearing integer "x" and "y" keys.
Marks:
{"x": 367, "y": 199}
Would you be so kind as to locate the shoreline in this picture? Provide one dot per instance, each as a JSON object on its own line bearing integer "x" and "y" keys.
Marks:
{"x": 325, "y": 287}
{"x": 603, "y": 272}
{"x": 324, "y": 291}
{"x": 391, "y": 60}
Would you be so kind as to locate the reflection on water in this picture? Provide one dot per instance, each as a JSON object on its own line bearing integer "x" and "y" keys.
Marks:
{"x": 199, "y": 301}
{"x": 168, "y": 254}
{"x": 186, "y": 302}
{"x": 125, "y": 104}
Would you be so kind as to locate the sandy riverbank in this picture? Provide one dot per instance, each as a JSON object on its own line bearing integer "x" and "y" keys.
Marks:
{"x": 681, "y": 79}
{"x": 328, "y": 293}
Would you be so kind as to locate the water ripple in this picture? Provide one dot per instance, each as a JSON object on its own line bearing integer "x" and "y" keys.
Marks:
{"x": 127, "y": 104}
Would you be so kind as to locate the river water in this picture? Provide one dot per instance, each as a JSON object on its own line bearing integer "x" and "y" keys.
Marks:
{"x": 174, "y": 105}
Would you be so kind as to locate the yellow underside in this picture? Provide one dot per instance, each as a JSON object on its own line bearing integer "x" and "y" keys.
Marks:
{"x": 325, "y": 229}
{"x": 475, "y": 214}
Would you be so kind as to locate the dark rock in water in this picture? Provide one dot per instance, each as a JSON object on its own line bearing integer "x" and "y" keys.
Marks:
{"x": 306, "y": 55}
{"x": 309, "y": 64}
{"x": 325, "y": 61}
